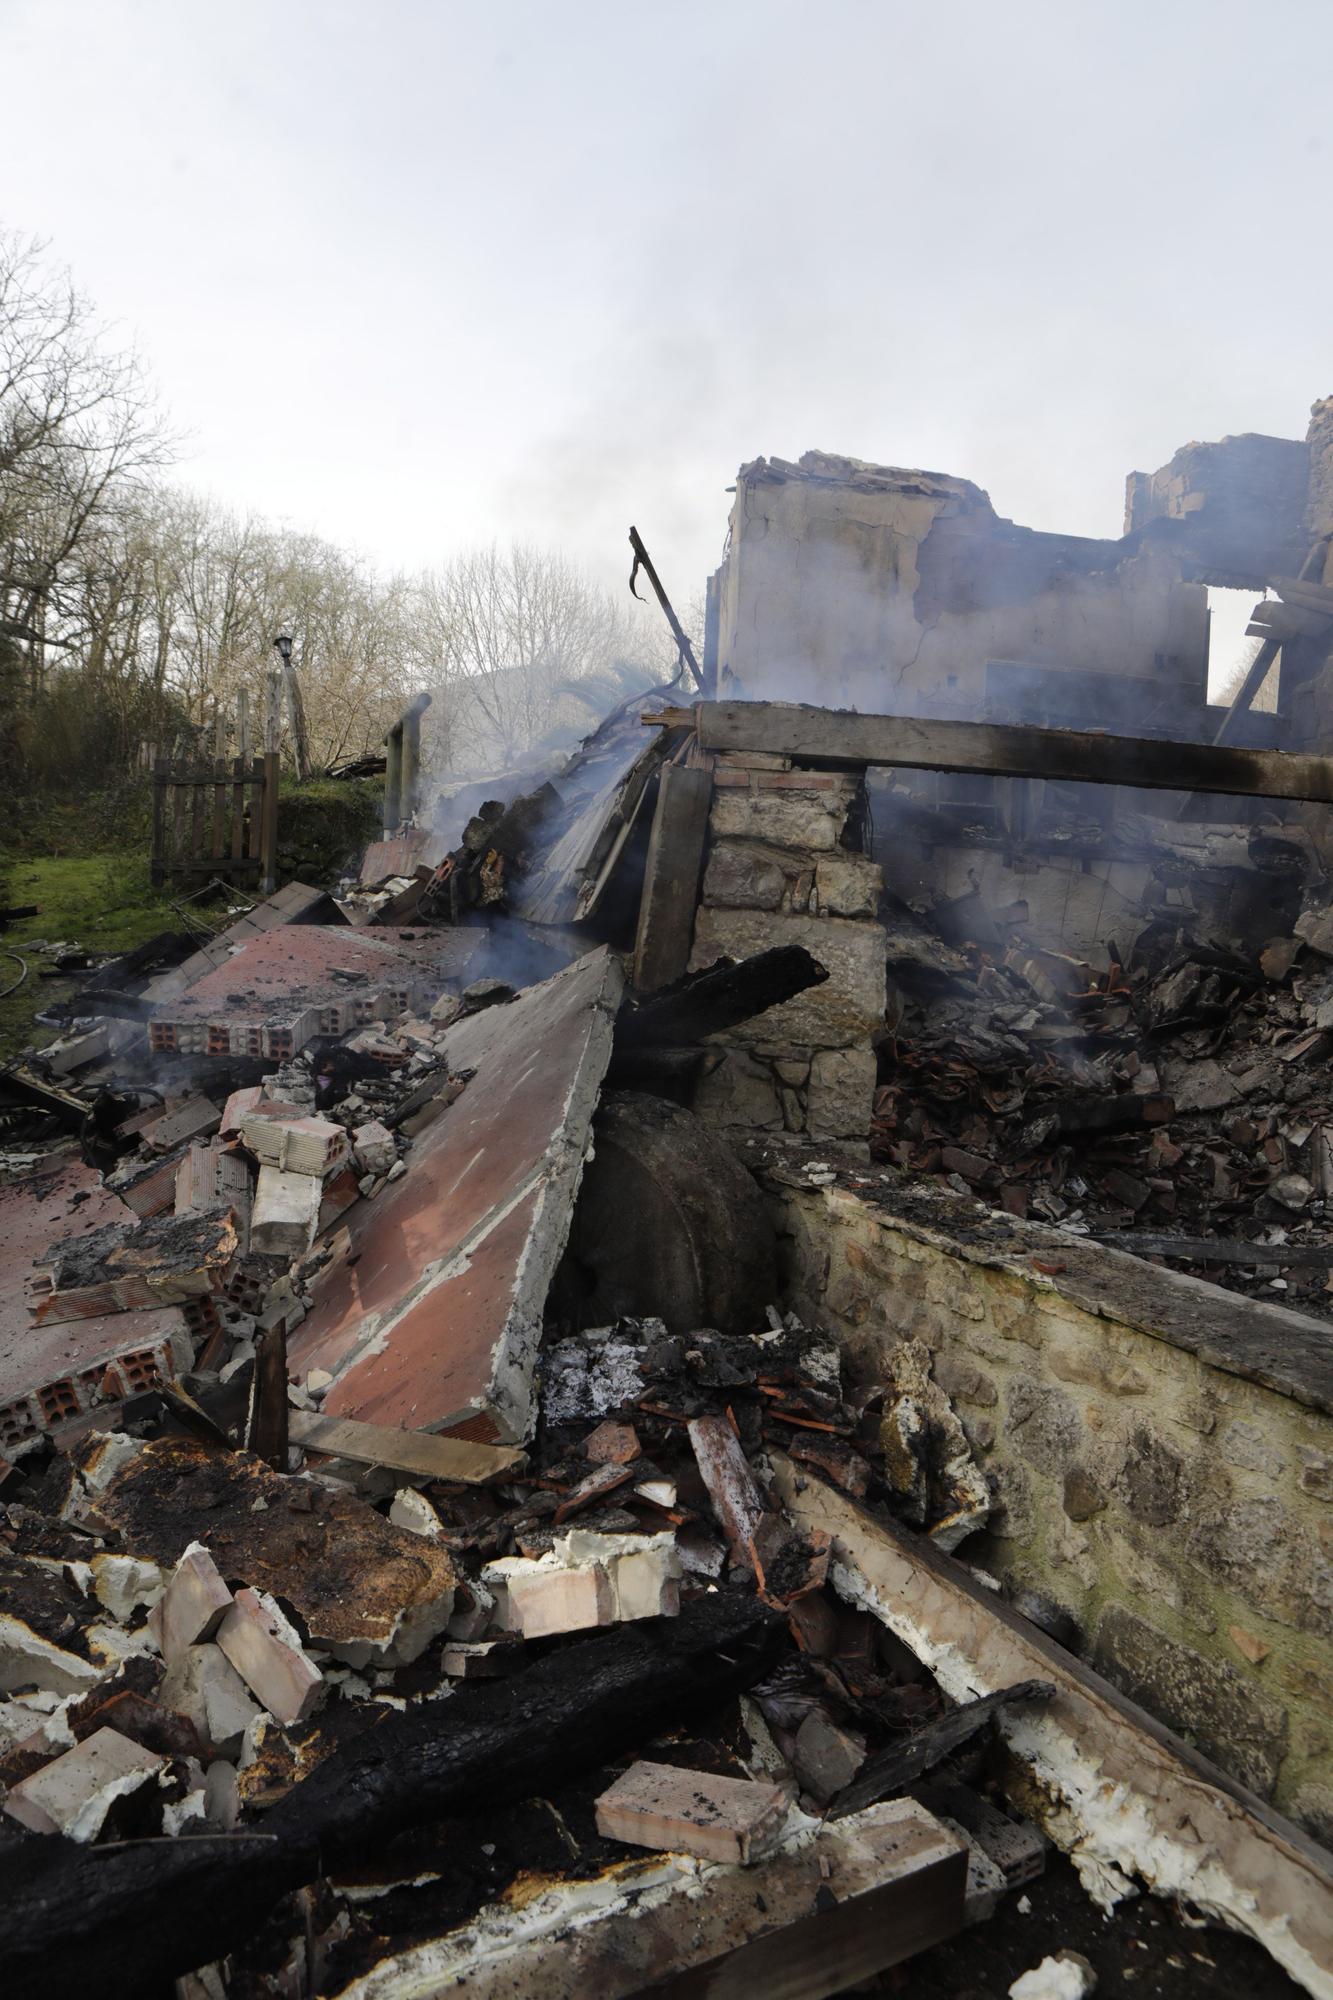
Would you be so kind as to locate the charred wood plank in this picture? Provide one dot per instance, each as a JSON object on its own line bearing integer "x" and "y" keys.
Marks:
{"x": 842, "y": 737}
{"x": 266, "y": 1427}
{"x": 880, "y": 1776}
{"x": 66, "y": 1911}
{"x": 722, "y": 996}
{"x": 420, "y": 1453}
{"x": 671, "y": 876}
{"x": 1220, "y": 1250}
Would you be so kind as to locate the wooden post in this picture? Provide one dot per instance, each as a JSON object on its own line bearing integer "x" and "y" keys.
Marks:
{"x": 671, "y": 876}
{"x": 393, "y": 780}
{"x": 411, "y": 769}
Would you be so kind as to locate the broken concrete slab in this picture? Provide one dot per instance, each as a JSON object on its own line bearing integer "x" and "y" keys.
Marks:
{"x": 360, "y": 1586}
{"x": 156, "y": 1261}
{"x": 73, "y": 1794}
{"x": 55, "y": 1371}
{"x": 692, "y": 1812}
{"x": 285, "y": 986}
{"x": 433, "y": 1322}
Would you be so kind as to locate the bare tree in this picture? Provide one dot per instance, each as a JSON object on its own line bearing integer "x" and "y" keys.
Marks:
{"x": 501, "y": 634}
{"x": 78, "y": 426}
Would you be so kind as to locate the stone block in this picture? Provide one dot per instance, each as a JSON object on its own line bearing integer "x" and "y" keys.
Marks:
{"x": 1151, "y": 1480}
{"x": 204, "y": 1686}
{"x": 840, "y": 1093}
{"x": 739, "y": 1091}
{"x": 963, "y": 1382}
{"x": 73, "y": 1794}
{"x": 1220, "y": 1710}
{"x": 692, "y": 1812}
{"x": 1247, "y": 1446}
{"x": 848, "y": 885}
{"x": 1083, "y": 1497}
{"x": 744, "y": 878}
{"x": 195, "y": 1602}
{"x": 266, "y": 1651}
{"x": 847, "y": 1009}
{"x": 824, "y": 1757}
{"x": 809, "y": 820}
{"x": 1043, "y": 1424}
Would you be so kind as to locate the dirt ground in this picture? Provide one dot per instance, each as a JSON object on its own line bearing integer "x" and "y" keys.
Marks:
{"x": 1144, "y": 1950}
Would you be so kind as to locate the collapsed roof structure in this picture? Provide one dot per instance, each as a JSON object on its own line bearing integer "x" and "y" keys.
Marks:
{"x": 628, "y": 1405}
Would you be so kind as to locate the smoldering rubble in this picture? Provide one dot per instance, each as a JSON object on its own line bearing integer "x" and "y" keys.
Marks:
{"x": 464, "y": 1527}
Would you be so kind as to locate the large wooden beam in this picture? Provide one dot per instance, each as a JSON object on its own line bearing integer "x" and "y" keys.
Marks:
{"x": 671, "y": 876}
{"x": 840, "y": 737}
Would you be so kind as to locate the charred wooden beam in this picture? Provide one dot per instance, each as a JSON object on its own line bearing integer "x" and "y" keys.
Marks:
{"x": 1220, "y": 1250}
{"x": 722, "y": 996}
{"x": 266, "y": 1428}
{"x": 66, "y": 1911}
{"x": 842, "y": 737}
{"x": 882, "y": 1775}
{"x": 671, "y": 876}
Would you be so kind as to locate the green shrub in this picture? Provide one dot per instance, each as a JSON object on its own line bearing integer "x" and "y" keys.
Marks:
{"x": 323, "y": 825}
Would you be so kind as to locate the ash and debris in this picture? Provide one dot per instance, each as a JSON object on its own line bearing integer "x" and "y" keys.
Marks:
{"x": 1185, "y": 1093}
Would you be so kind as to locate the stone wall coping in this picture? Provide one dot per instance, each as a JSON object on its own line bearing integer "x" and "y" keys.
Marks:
{"x": 1288, "y": 1352}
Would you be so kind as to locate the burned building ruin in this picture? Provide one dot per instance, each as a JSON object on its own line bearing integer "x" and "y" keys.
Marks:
{"x": 796, "y": 1258}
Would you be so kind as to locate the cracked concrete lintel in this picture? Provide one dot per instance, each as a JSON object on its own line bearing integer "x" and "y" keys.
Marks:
{"x": 1116, "y": 1790}
{"x": 433, "y": 1322}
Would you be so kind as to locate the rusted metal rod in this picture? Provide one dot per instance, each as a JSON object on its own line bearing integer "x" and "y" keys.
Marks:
{"x": 642, "y": 560}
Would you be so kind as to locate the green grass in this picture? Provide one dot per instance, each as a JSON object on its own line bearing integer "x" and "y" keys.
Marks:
{"x": 101, "y": 902}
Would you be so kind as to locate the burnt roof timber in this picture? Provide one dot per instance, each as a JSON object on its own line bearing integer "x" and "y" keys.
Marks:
{"x": 842, "y": 737}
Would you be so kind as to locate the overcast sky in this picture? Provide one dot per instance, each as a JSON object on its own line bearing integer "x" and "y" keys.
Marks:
{"x": 416, "y": 274}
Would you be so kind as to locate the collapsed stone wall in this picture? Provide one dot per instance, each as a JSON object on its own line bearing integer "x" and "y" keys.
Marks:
{"x": 779, "y": 872}
{"x": 891, "y": 590}
{"x": 1179, "y": 1509}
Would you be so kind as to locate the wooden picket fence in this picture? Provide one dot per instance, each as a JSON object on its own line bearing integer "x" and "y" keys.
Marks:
{"x": 219, "y": 819}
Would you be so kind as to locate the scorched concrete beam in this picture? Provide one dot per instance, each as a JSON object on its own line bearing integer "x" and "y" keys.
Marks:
{"x": 433, "y": 1320}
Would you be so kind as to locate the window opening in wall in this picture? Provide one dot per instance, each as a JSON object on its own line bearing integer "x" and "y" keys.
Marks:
{"x": 1230, "y": 651}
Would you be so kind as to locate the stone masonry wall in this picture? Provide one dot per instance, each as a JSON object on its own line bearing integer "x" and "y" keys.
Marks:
{"x": 1180, "y": 1510}
{"x": 777, "y": 873}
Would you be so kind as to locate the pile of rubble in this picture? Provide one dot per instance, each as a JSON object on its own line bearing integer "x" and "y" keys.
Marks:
{"x": 1179, "y": 1103}
{"x": 199, "y": 1643}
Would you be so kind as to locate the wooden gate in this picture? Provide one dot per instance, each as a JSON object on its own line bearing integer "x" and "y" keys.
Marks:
{"x": 217, "y": 820}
